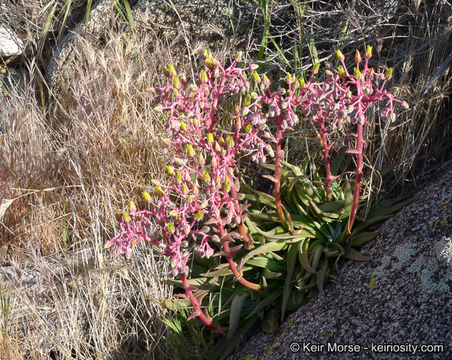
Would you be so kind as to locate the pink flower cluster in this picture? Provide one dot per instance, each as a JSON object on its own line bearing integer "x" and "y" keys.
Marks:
{"x": 206, "y": 137}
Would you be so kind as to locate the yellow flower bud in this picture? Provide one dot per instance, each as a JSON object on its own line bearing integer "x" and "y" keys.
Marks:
{"x": 302, "y": 83}
{"x": 265, "y": 81}
{"x": 315, "y": 68}
{"x": 178, "y": 177}
{"x": 256, "y": 77}
{"x": 368, "y": 54}
{"x": 210, "y": 138}
{"x": 132, "y": 206}
{"x": 247, "y": 100}
{"x": 170, "y": 170}
{"x": 185, "y": 188}
{"x": 203, "y": 77}
{"x": 357, "y": 73}
{"x": 195, "y": 122}
{"x": 341, "y": 71}
{"x": 357, "y": 57}
{"x": 206, "y": 176}
{"x": 159, "y": 190}
{"x": 227, "y": 185}
{"x": 211, "y": 62}
{"x": 388, "y": 73}
{"x": 183, "y": 125}
{"x": 340, "y": 56}
{"x": 199, "y": 215}
{"x": 238, "y": 57}
{"x": 147, "y": 197}
{"x": 248, "y": 128}
{"x": 190, "y": 150}
{"x": 230, "y": 141}
{"x": 176, "y": 82}
{"x": 170, "y": 227}
{"x": 289, "y": 79}
{"x": 126, "y": 216}
{"x": 172, "y": 70}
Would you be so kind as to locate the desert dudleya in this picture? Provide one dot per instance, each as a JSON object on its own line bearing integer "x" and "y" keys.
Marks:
{"x": 217, "y": 121}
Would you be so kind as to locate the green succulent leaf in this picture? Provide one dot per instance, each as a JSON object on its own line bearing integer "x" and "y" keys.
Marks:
{"x": 322, "y": 275}
{"x": 355, "y": 255}
{"x": 303, "y": 249}
{"x": 316, "y": 255}
{"x": 270, "y": 323}
{"x": 177, "y": 304}
{"x": 363, "y": 238}
{"x": 268, "y": 274}
{"x": 333, "y": 207}
{"x": 385, "y": 210}
{"x": 291, "y": 261}
{"x": 266, "y": 301}
{"x": 338, "y": 160}
{"x": 224, "y": 271}
{"x": 267, "y": 263}
{"x": 348, "y": 199}
{"x": 263, "y": 249}
{"x": 226, "y": 346}
{"x": 202, "y": 283}
{"x": 358, "y": 228}
{"x": 236, "y": 309}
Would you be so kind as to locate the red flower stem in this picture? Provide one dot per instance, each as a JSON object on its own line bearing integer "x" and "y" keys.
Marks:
{"x": 232, "y": 265}
{"x": 326, "y": 158}
{"x": 277, "y": 193}
{"x": 359, "y": 174}
{"x": 197, "y": 309}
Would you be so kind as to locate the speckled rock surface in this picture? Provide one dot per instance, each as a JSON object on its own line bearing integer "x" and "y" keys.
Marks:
{"x": 388, "y": 307}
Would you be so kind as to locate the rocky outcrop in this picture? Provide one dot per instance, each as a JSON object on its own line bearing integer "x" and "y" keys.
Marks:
{"x": 10, "y": 44}
{"x": 198, "y": 23}
{"x": 388, "y": 307}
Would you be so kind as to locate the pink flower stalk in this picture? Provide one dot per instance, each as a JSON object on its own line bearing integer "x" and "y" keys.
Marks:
{"x": 206, "y": 137}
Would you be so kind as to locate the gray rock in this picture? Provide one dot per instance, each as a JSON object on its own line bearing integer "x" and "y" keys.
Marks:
{"x": 403, "y": 296}
{"x": 10, "y": 44}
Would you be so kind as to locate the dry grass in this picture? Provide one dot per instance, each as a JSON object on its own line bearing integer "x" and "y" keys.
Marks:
{"x": 70, "y": 163}
{"x": 70, "y": 160}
